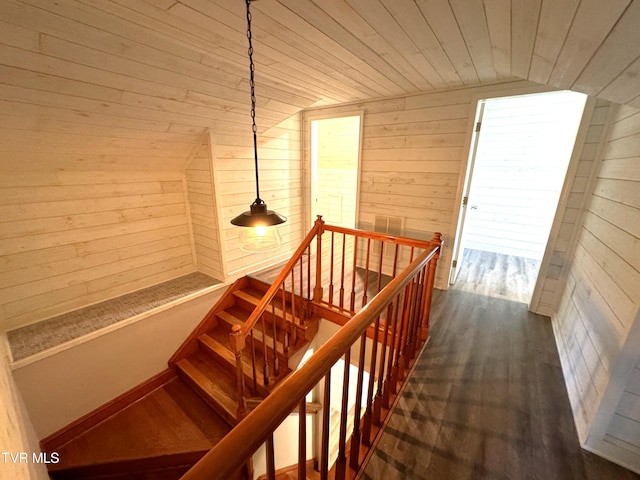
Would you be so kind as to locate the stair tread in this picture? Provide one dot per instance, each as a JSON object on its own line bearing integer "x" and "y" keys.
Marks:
{"x": 212, "y": 380}
{"x": 250, "y": 296}
{"x": 234, "y": 316}
{"x": 213, "y": 341}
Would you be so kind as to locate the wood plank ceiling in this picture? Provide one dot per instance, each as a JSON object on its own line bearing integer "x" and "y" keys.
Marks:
{"x": 134, "y": 83}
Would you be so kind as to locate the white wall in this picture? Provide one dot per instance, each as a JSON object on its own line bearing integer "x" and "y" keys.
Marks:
{"x": 601, "y": 299}
{"x": 62, "y": 387}
{"x": 521, "y": 161}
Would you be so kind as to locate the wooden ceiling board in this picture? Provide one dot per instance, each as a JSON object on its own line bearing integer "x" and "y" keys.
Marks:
{"x": 524, "y": 26}
{"x": 472, "y": 21}
{"x": 443, "y": 23}
{"x": 553, "y": 26}
{"x": 422, "y": 73}
{"x": 592, "y": 23}
{"x": 353, "y": 33}
{"x": 410, "y": 18}
{"x": 140, "y": 81}
{"x": 620, "y": 49}
{"x": 499, "y": 23}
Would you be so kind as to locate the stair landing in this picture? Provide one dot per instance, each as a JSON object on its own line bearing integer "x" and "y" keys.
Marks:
{"x": 167, "y": 428}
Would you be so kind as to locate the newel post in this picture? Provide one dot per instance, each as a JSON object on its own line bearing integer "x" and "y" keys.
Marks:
{"x": 431, "y": 275}
{"x": 317, "y": 290}
{"x": 237, "y": 345}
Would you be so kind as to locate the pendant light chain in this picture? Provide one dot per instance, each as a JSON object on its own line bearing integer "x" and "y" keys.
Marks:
{"x": 252, "y": 84}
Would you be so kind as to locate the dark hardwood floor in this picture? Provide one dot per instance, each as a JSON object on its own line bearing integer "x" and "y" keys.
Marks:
{"x": 486, "y": 399}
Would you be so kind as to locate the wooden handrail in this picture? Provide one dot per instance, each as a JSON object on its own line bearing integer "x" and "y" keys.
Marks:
{"x": 410, "y": 242}
{"x": 243, "y": 440}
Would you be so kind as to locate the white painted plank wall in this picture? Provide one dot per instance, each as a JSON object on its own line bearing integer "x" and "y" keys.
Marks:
{"x": 279, "y": 160}
{"x": 71, "y": 239}
{"x": 624, "y": 429}
{"x": 413, "y": 155}
{"x": 203, "y": 212}
{"x": 571, "y": 212}
{"x": 602, "y": 294}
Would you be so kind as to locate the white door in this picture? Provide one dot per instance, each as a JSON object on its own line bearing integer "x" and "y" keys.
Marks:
{"x": 335, "y": 161}
{"x": 458, "y": 247}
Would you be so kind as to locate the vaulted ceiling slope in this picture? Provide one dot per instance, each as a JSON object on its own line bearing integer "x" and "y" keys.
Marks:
{"x": 134, "y": 83}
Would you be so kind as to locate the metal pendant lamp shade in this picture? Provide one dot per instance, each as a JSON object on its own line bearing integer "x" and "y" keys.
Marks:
{"x": 259, "y": 231}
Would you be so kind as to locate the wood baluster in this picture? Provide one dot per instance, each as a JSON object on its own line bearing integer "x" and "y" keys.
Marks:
{"x": 431, "y": 276}
{"x": 302, "y": 439}
{"x": 237, "y": 345}
{"x": 354, "y": 452}
{"x": 379, "y": 284}
{"x": 326, "y": 407}
{"x": 284, "y": 315}
{"x": 402, "y": 353}
{"x": 388, "y": 387}
{"x": 368, "y": 414}
{"x": 309, "y": 272}
{"x": 352, "y": 303}
{"x": 317, "y": 291}
{"x": 377, "y": 402}
{"x": 331, "y": 271}
{"x": 406, "y": 320}
{"x": 344, "y": 247}
{"x": 375, "y": 410}
{"x": 294, "y": 316}
{"x": 421, "y": 333}
{"x": 393, "y": 384}
{"x": 276, "y": 360}
{"x": 265, "y": 363}
{"x": 366, "y": 274}
{"x": 341, "y": 462}
{"x": 420, "y": 298}
{"x": 271, "y": 459}
{"x": 253, "y": 362}
{"x": 303, "y": 305}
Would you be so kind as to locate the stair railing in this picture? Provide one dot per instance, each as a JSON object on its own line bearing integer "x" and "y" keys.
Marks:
{"x": 397, "y": 320}
{"x": 289, "y": 307}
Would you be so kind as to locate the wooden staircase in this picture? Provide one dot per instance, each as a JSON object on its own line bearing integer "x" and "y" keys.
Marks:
{"x": 162, "y": 427}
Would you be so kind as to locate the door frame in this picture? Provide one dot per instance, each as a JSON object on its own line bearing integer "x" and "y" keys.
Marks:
{"x": 557, "y": 221}
{"x": 458, "y": 246}
{"x": 308, "y": 117}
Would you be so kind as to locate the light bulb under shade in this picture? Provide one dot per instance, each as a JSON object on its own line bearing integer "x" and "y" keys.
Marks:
{"x": 259, "y": 232}
{"x": 259, "y": 239}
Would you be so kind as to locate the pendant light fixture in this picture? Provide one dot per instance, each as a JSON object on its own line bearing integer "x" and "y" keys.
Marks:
{"x": 259, "y": 231}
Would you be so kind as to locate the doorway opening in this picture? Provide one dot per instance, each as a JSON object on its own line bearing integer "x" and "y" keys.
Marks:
{"x": 517, "y": 167}
{"x": 335, "y": 165}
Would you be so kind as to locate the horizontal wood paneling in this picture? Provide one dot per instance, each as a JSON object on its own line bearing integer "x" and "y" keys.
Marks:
{"x": 72, "y": 239}
{"x": 413, "y": 154}
{"x": 600, "y": 302}
{"x": 279, "y": 161}
{"x": 551, "y": 287}
{"x": 201, "y": 195}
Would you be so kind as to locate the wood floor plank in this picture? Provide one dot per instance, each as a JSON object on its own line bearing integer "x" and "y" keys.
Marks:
{"x": 487, "y": 399}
